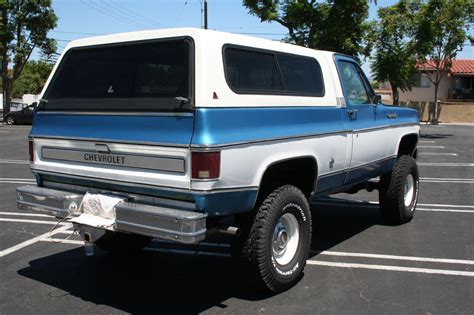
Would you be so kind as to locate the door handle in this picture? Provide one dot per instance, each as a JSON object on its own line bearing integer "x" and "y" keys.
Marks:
{"x": 352, "y": 113}
{"x": 392, "y": 115}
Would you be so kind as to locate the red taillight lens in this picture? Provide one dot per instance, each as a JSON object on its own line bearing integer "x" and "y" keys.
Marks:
{"x": 205, "y": 165}
{"x": 31, "y": 147}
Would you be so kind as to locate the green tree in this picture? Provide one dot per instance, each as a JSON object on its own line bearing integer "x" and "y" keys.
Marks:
{"x": 32, "y": 78}
{"x": 443, "y": 27}
{"x": 24, "y": 27}
{"x": 395, "y": 46}
{"x": 337, "y": 25}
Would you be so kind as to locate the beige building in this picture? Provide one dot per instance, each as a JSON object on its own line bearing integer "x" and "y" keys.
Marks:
{"x": 457, "y": 84}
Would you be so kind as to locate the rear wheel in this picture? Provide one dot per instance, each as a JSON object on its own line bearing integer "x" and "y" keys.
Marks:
{"x": 10, "y": 120}
{"x": 398, "y": 193}
{"x": 117, "y": 242}
{"x": 279, "y": 239}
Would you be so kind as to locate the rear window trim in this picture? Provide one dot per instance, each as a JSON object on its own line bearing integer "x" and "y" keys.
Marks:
{"x": 192, "y": 79}
{"x": 275, "y": 54}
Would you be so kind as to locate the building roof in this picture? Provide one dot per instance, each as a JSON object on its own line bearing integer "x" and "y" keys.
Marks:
{"x": 459, "y": 66}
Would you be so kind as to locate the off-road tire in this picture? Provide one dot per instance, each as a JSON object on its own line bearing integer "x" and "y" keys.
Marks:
{"x": 284, "y": 202}
{"x": 116, "y": 242}
{"x": 392, "y": 192}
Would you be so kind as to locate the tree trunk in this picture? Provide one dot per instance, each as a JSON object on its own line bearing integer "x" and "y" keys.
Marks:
{"x": 7, "y": 94}
{"x": 436, "y": 109}
{"x": 395, "y": 95}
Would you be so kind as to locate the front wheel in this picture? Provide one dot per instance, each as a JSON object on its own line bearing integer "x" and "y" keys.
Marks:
{"x": 280, "y": 238}
{"x": 10, "y": 120}
{"x": 398, "y": 193}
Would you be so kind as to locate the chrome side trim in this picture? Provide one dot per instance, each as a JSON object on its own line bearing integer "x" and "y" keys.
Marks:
{"x": 200, "y": 147}
{"x": 90, "y": 113}
{"x": 157, "y": 144}
{"x": 223, "y": 190}
{"x": 205, "y": 147}
{"x": 358, "y": 166}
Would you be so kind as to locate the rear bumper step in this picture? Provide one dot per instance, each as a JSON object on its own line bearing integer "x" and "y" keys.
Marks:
{"x": 155, "y": 221}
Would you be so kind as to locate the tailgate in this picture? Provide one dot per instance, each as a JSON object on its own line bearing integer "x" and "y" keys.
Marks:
{"x": 151, "y": 149}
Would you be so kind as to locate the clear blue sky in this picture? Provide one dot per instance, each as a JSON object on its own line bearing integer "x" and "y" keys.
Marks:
{"x": 85, "y": 18}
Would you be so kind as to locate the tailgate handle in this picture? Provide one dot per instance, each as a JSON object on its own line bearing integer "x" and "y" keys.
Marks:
{"x": 102, "y": 148}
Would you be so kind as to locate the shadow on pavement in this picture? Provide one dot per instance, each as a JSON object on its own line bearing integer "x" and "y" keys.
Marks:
{"x": 169, "y": 282}
{"x": 434, "y": 136}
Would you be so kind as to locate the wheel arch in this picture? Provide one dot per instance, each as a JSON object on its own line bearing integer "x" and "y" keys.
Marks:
{"x": 276, "y": 172}
{"x": 408, "y": 145}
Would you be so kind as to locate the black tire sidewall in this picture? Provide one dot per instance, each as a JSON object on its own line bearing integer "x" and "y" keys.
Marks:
{"x": 392, "y": 193}
{"x": 294, "y": 204}
{"x": 409, "y": 211}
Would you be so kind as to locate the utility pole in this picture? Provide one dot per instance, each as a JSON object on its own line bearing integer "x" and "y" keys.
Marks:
{"x": 205, "y": 14}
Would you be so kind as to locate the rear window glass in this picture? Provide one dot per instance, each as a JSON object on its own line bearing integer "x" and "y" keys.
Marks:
{"x": 147, "y": 76}
{"x": 252, "y": 71}
{"x": 266, "y": 72}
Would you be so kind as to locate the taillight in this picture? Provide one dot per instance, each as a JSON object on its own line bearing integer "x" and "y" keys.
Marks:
{"x": 205, "y": 165}
{"x": 31, "y": 147}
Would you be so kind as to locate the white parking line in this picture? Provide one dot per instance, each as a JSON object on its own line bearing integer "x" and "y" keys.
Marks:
{"x": 431, "y": 146}
{"x": 32, "y": 241}
{"x": 391, "y": 268}
{"x": 438, "y": 153}
{"x": 446, "y": 164}
{"x": 396, "y": 257}
{"x": 444, "y": 205}
{"x": 447, "y": 180}
{"x": 340, "y": 264}
{"x": 31, "y": 221}
{"x": 444, "y": 210}
{"x": 6, "y": 161}
{"x": 420, "y": 206}
{"x": 23, "y": 214}
{"x": 427, "y": 141}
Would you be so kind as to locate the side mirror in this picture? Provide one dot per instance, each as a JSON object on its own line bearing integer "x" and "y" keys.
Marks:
{"x": 377, "y": 99}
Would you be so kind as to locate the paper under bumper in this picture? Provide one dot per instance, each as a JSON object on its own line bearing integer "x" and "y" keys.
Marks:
{"x": 97, "y": 210}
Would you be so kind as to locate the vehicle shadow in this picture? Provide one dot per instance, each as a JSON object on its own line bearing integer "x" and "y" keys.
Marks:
{"x": 337, "y": 220}
{"x": 170, "y": 281}
{"x": 434, "y": 136}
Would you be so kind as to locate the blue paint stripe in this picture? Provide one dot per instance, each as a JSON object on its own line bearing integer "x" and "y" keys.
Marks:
{"x": 176, "y": 130}
{"x": 218, "y": 126}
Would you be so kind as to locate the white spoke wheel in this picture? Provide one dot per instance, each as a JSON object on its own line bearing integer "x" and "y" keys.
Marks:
{"x": 279, "y": 239}
{"x": 10, "y": 120}
{"x": 398, "y": 191}
{"x": 286, "y": 237}
{"x": 409, "y": 192}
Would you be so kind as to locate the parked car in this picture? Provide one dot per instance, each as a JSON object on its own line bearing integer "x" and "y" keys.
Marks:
{"x": 23, "y": 116}
{"x": 179, "y": 134}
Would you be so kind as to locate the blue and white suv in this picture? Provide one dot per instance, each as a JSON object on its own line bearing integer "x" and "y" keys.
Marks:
{"x": 196, "y": 132}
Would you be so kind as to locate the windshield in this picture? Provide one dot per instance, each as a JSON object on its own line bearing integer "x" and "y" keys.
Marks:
{"x": 138, "y": 76}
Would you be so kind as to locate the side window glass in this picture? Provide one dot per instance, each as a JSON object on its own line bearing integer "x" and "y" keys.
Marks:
{"x": 354, "y": 87}
{"x": 251, "y": 71}
{"x": 301, "y": 75}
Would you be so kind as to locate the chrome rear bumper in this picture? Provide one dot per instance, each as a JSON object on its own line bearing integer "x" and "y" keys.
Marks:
{"x": 156, "y": 221}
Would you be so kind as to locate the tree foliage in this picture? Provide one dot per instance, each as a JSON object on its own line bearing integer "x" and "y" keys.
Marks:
{"x": 395, "y": 46}
{"x": 443, "y": 26}
{"x": 336, "y": 25}
{"x": 32, "y": 78}
{"x": 24, "y": 27}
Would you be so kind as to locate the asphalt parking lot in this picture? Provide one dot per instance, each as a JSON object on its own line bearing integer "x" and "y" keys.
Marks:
{"x": 357, "y": 264}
